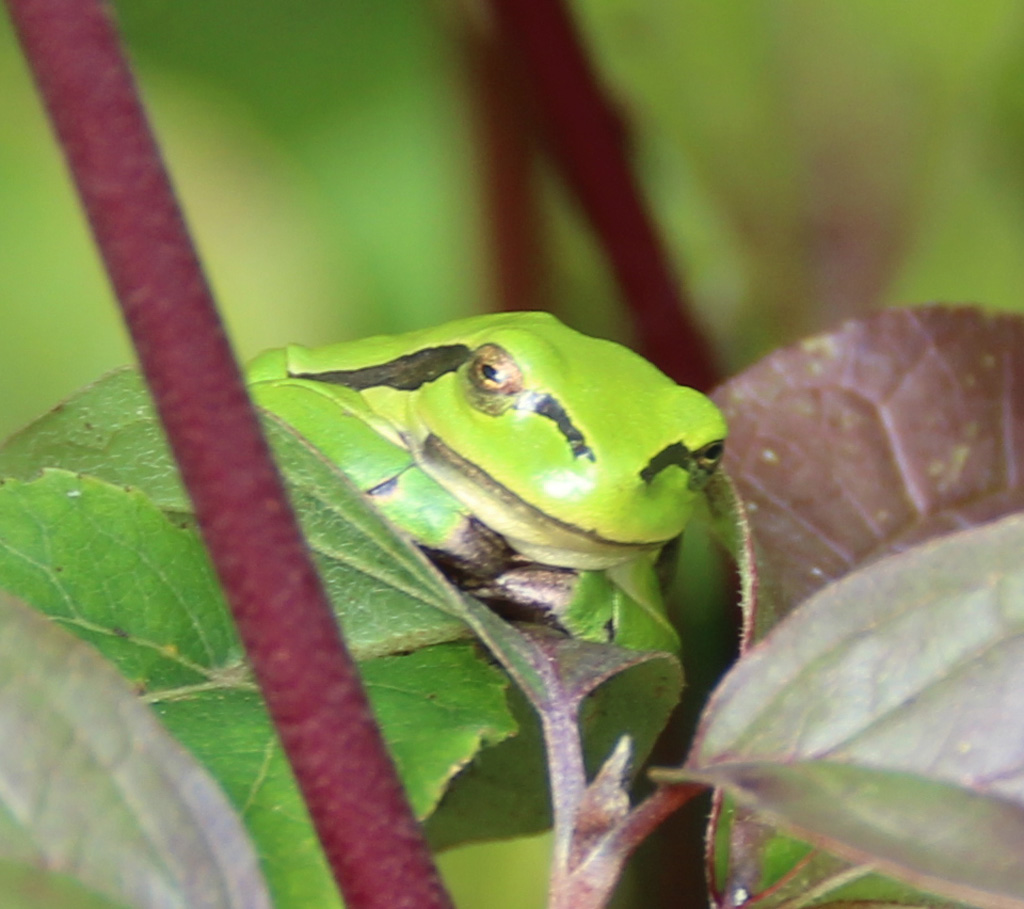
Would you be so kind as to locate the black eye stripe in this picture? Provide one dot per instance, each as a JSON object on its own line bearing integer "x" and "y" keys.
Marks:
{"x": 406, "y": 373}
{"x": 412, "y": 371}
{"x": 547, "y": 406}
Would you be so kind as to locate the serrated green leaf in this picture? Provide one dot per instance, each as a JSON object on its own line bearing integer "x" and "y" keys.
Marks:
{"x": 393, "y": 606}
{"x": 106, "y": 430}
{"x": 108, "y": 564}
{"x": 387, "y": 597}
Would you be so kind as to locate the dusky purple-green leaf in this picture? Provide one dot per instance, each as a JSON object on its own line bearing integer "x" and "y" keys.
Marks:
{"x": 933, "y": 835}
{"x": 27, "y": 886}
{"x": 909, "y": 670}
{"x": 93, "y": 786}
{"x": 887, "y": 410}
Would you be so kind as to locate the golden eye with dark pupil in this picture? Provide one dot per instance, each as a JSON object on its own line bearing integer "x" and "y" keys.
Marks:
{"x": 495, "y": 372}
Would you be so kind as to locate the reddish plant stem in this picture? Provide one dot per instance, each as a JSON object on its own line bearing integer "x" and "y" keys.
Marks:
{"x": 310, "y": 684}
{"x": 590, "y": 884}
{"x": 507, "y": 152}
{"x": 650, "y": 813}
{"x": 587, "y": 141}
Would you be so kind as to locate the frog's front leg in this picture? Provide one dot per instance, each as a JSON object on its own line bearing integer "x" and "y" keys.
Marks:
{"x": 591, "y": 605}
{"x": 585, "y": 604}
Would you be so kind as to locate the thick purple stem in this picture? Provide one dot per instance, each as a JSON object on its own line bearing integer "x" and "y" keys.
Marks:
{"x": 587, "y": 141}
{"x": 310, "y": 684}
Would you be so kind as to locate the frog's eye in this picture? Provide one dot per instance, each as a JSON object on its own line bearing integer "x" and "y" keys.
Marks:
{"x": 493, "y": 371}
{"x": 708, "y": 458}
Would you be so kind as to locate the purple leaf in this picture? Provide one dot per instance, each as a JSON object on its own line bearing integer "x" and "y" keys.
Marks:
{"x": 865, "y": 441}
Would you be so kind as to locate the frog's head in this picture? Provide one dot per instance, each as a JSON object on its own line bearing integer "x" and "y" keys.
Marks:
{"x": 577, "y": 450}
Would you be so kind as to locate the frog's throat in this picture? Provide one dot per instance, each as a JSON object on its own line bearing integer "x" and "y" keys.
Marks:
{"x": 530, "y": 531}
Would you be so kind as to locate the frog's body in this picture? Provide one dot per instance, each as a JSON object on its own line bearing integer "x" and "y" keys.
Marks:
{"x": 540, "y": 467}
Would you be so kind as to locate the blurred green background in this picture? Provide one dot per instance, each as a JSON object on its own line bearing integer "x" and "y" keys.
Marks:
{"x": 808, "y": 160}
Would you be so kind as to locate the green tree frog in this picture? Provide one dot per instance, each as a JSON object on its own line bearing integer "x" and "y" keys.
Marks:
{"x": 543, "y": 470}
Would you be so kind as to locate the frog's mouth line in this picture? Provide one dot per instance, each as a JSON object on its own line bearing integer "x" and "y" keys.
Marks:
{"x": 441, "y": 460}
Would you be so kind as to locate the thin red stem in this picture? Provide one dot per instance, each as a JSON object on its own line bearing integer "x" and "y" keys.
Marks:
{"x": 587, "y": 141}
{"x": 310, "y": 684}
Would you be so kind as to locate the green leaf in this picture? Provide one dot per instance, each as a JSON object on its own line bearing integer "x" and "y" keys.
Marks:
{"x": 441, "y": 701}
{"x": 755, "y": 863}
{"x": 106, "y": 430}
{"x": 566, "y": 681}
{"x": 387, "y": 597}
{"x": 94, "y": 787}
{"x": 108, "y": 564}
